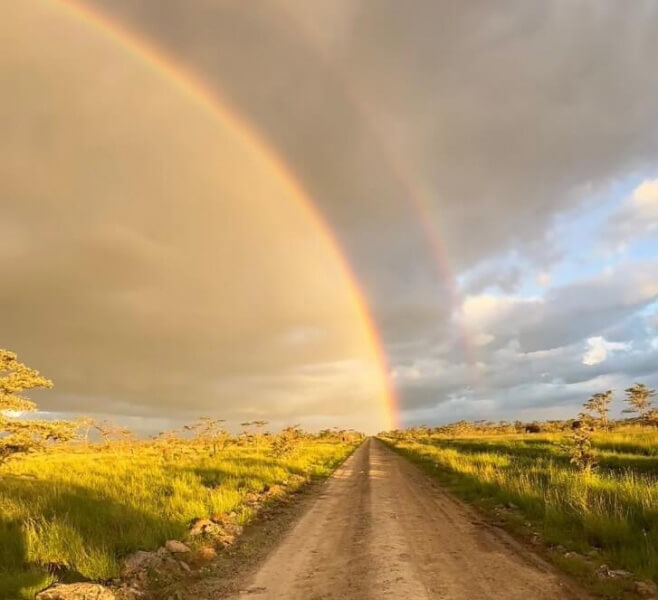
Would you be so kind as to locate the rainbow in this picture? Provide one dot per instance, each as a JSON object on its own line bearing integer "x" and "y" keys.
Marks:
{"x": 418, "y": 197}
{"x": 157, "y": 59}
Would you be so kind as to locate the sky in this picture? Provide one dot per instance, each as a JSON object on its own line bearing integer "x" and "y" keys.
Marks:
{"x": 316, "y": 211}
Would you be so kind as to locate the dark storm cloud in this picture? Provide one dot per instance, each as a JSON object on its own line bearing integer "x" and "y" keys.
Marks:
{"x": 476, "y": 121}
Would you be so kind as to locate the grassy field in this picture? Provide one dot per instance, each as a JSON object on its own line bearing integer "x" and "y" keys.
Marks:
{"x": 73, "y": 514}
{"x": 607, "y": 517}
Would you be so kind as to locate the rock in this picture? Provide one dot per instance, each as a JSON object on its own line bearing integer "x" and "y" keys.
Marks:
{"x": 222, "y": 519}
{"x": 605, "y": 571}
{"x": 620, "y": 573}
{"x": 130, "y": 593}
{"x": 647, "y": 589}
{"x": 76, "y": 591}
{"x": 251, "y": 498}
{"x": 573, "y": 555}
{"x": 184, "y": 566}
{"x": 274, "y": 491}
{"x": 511, "y": 505}
{"x": 203, "y": 556}
{"x": 139, "y": 561}
{"x": 227, "y": 540}
{"x": 176, "y": 547}
{"x": 200, "y": 526}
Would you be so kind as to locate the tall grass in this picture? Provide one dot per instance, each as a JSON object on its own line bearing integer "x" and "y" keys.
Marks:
{"x": 76, "y": 514}
{"x": 614, "y": 510}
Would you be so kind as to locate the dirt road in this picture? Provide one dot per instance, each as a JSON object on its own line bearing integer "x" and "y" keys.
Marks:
{"x": 383, "y": 529}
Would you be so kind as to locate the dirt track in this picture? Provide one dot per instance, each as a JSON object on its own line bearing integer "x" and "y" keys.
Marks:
{"x": 383, "y": 529}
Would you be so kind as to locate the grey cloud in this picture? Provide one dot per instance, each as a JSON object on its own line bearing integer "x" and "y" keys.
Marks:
{"x": 157, "y": 264}
{"x": 474, "y": 123}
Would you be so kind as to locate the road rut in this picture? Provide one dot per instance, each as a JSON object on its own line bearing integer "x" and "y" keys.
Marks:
{"x": 383, "y": 529}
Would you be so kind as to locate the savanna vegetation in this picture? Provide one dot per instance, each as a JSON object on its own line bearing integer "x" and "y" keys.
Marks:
{"x": 586, "y": 489}
{"x": 78, "y": 497}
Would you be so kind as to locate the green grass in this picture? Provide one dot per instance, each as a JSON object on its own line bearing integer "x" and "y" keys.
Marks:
{"x": 613, "y": 511}
{"x": 74, "y": 515}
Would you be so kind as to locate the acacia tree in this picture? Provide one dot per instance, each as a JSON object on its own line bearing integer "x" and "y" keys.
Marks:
{"x": 111, "y": 431}
{"x": 639, "y": 399}
{"x": 20, "y": 435}
{"x": 169, "y": 443}
{"x": 287, "y": 441}
{"x": 16, "y": 378}
{"x": 598, "y": 404}
{"x": 85, "y": 424}
{"x": 210, "y": 431}
{"x": 257, "y": 434}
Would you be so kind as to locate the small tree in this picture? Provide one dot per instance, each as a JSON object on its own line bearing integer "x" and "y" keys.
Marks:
{"x": 639, "y": 400}
{"x": 210, "y": 432}
{"x": 287, "y": 441}
{"x": 85, "y": 425}
{"x": 583, "y": 456}
{"x": 598, "y": 404}
{"x": 16, "y": 378}
{"x": 112, "y": 432}
{"x": 169, "y": 443}
{"x": 18, "y": 435}
{"x": 257, "y": 435}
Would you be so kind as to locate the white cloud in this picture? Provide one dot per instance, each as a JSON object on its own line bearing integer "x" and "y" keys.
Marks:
{"x": 543, "y": 279}
{"x": 482, "y": 339}
{"x": 599, "y": 348}
{"x": 637, "y": 217}
{"x": 644, "y": 202}
{"x": 484, "y": 310}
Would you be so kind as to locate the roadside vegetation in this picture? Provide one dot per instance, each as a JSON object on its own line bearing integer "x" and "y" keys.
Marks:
{"x": 79, "y": 497}
{"x": 584, "y": 489}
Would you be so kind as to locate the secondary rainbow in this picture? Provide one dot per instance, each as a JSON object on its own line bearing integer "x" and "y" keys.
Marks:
{"x": 218, "y": 108}
{"x": 419, "y": 197}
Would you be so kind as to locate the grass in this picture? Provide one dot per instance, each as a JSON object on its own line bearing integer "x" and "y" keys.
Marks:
{"x": 611, "y": 514}
{"x": 73, "y": 515}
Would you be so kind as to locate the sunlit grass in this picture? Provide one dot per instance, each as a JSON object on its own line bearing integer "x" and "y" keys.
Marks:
{"x": 614, "y": 510}
{"x": 79, "y": 513}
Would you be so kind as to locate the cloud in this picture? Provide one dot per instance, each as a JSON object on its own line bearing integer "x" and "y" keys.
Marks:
{"x": 164, "y": 267}
{"x": 637, "y": 217}
{"x": 543, "y": 278}
{"x": 494, "y": 135}
{"x": 147, "y": 257}
{"x": 598, "y": 350}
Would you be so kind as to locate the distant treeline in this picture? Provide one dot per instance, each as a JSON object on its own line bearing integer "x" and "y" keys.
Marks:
{"x": 207, "y": 434}
{"x": 595, "y": 415}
